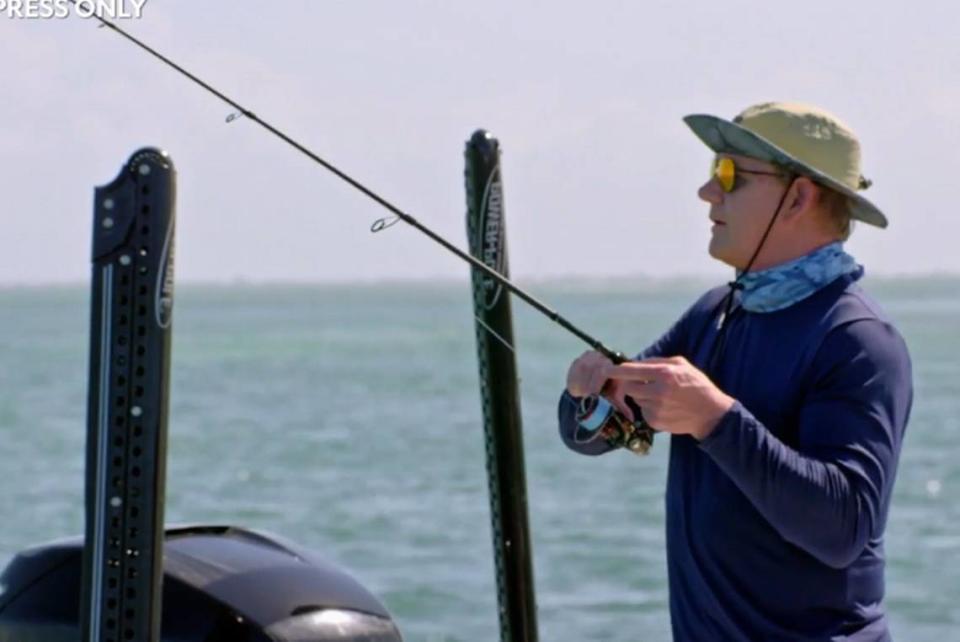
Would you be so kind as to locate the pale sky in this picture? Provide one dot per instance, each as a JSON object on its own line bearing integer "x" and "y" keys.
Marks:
{"x": 599, "y": 171}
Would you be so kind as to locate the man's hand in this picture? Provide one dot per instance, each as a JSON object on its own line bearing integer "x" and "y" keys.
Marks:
{"x": 588, "y": 376}
{"x": 675, "y": 396}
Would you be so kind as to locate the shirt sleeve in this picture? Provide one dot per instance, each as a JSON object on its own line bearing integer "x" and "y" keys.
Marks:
{"x": 829, "y": 495}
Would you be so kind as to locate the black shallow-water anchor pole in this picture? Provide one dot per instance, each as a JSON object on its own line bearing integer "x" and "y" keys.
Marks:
{"x": 130, "y": 318}
{"x": 500, "y": 394}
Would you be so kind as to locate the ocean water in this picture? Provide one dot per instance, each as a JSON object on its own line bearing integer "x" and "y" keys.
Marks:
{"x": 347, "y": 418}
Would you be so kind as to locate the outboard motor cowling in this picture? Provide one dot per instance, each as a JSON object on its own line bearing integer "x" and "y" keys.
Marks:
{"x": 220, "y": 584}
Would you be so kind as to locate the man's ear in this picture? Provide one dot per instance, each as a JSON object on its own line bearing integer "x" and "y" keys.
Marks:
{"x": 802, "y": 198}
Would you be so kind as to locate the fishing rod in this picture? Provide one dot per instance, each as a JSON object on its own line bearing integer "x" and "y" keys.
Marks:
{"x": 596, "y": 414}
{"x": 380, "y": 224}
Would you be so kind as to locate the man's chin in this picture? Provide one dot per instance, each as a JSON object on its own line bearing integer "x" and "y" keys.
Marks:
{"x": 716, "y": 251}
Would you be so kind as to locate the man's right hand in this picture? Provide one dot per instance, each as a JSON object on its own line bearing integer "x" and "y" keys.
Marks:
{"x": 589, "y": 375}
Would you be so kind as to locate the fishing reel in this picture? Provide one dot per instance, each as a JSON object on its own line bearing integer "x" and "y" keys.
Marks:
{"x": 597, "y": 418}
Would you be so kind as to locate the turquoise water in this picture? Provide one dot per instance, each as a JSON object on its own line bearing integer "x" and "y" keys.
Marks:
{"x": 347, "y": 418}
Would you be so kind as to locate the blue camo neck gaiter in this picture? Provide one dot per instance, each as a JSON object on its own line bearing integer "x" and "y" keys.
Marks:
{"x": 783, "y": 285}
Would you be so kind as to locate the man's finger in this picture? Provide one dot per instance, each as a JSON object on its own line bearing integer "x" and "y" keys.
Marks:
{"x": 637, "y": 371}
{"x": 620, "y": 404}
{"x": 643, "y": 393}
{"x": 597, "y": 379}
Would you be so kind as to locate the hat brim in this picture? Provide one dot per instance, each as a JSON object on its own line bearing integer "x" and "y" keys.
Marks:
{"x": 725, "y": 137}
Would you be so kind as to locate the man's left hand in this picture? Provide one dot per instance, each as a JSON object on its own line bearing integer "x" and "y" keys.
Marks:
{"x": 675, "y": 396}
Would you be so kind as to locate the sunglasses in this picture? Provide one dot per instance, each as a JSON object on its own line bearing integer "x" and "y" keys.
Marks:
{"x": 725, "y": 171}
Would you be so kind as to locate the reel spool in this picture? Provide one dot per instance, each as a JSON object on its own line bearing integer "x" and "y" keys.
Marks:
{"x": 598, "y": 418}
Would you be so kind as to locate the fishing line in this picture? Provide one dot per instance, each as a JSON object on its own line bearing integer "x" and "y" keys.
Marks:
{"x": 495, "y": 334}
{"x": 380, "y": 224}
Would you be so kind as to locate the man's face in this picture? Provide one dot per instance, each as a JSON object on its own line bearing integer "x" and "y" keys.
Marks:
{"x": 740, "y": 217}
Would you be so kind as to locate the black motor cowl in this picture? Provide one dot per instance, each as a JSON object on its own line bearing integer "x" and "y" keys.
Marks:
{"x": 220, "y": 584}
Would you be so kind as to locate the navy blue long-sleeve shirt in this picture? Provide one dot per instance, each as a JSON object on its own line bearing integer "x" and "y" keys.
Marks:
{"x": 775, "y": 520}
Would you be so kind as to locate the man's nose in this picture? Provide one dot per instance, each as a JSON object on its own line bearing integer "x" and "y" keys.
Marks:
{"x": 711, "y": 192}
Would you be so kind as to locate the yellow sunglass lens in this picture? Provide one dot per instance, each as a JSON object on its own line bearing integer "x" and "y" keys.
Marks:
{"x": 725, "y": 172}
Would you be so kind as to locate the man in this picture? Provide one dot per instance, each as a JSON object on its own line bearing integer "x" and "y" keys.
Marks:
{"x": 786, "y": 394}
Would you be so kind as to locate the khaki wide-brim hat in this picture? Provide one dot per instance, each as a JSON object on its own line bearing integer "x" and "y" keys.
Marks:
{"x": 801, "y": 139}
